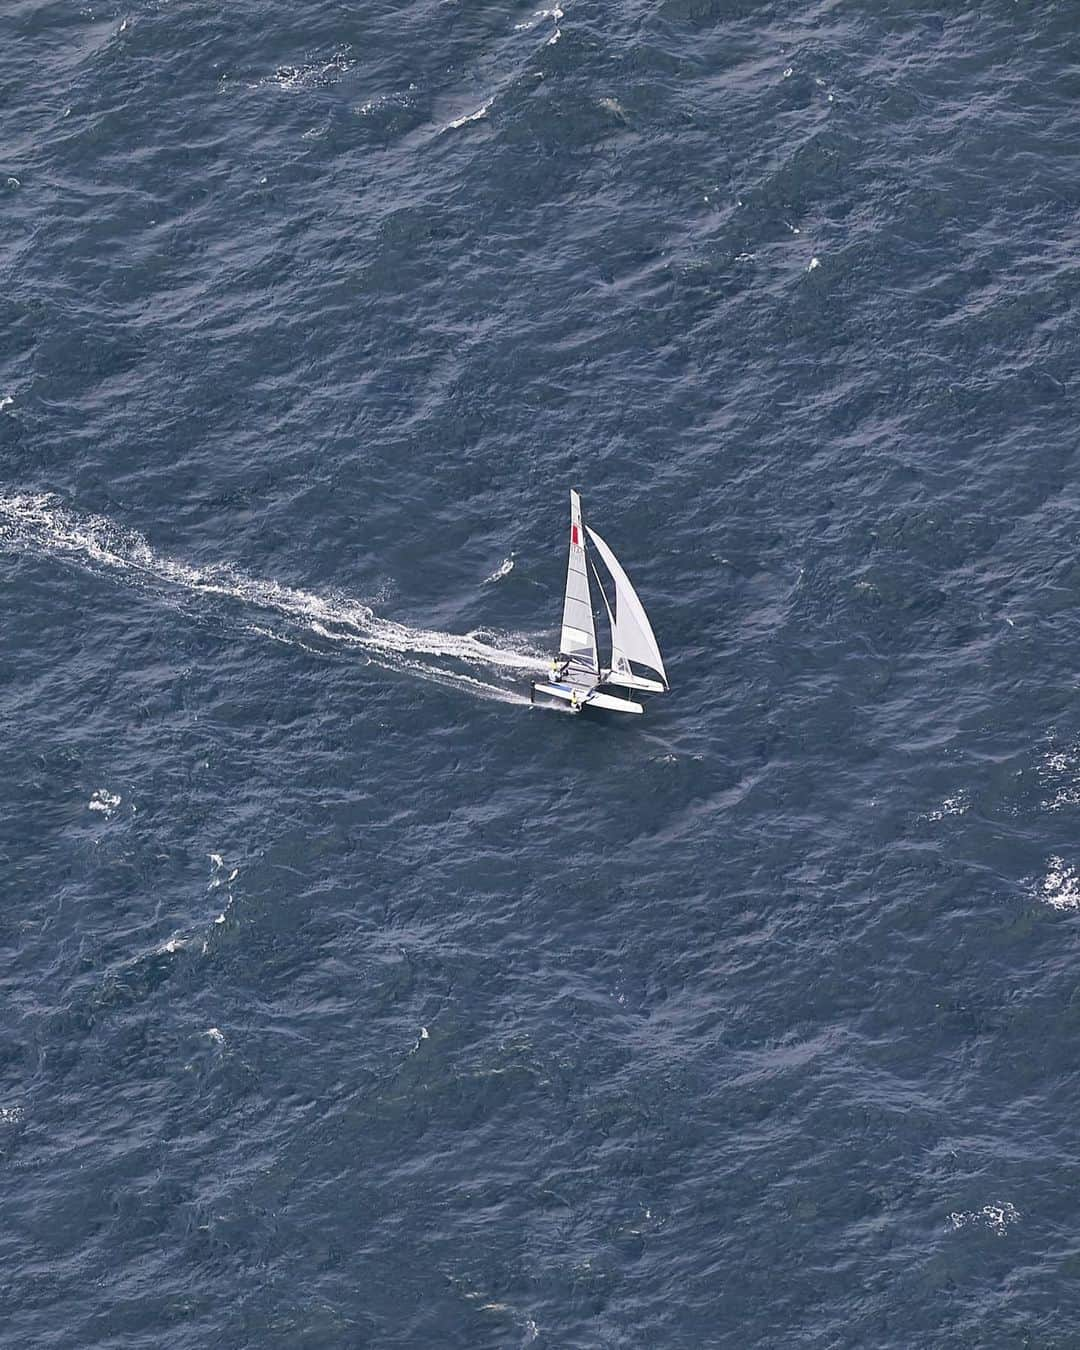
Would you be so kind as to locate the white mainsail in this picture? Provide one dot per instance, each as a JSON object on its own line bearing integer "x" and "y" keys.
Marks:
{"x": 578, "y": 638}
{"x": 632, "y": 637}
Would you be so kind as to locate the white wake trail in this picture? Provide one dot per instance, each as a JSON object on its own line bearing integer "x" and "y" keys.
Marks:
{"x": 38, "y": 524}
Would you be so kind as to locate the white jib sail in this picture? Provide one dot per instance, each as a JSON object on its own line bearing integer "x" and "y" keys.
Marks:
{"x": 619, "y": 664}
{"x": 578, "y": 638}
{"x": 632, "y": 636}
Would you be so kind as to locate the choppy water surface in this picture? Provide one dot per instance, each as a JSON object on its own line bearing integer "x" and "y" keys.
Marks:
{"x": 344, "y": 999}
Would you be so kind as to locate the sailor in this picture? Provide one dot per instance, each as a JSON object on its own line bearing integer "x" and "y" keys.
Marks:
{"x": 555, "y": 672}
{"x": 575, "y": 702}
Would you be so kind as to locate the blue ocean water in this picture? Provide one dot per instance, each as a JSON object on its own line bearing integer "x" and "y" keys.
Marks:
{"x": 345, "y": 1000}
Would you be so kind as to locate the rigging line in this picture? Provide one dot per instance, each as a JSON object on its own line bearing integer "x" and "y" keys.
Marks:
{"x": 607, "y": 606}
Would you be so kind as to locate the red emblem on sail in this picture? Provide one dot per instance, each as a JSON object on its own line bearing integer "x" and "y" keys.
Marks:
{"x": 575, "y": 536}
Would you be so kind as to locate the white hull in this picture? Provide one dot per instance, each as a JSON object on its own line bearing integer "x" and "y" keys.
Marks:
{"x": 590, "y": 699}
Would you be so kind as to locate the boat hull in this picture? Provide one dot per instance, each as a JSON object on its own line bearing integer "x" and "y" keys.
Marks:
{"x": 592, "y": 698}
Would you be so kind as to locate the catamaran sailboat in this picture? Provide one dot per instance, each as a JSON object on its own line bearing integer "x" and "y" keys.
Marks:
{"x": 577, "y": 677}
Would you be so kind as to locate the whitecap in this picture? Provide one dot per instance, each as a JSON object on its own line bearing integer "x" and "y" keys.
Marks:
{"x": 1060, "y": 888}
{"x": 319, "y": 74}
{"x": 503, "y": 569}
{"x": 373, "y": 105}
{"x": 104, "y": 801}
{"x": 476, "y": 116}
{"x": 537, "y": 16}
{"x": 616, "y": 110}
{"x": 996, "y": 1218}
{"x": 1059, "y": 774}
{"x": 951, "y": 806}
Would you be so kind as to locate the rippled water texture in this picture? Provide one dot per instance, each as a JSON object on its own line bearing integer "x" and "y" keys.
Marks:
{"x": 345, "y": 1000}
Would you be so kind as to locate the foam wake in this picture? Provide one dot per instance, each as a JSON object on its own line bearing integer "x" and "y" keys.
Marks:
{"x": 39, "y": 524}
